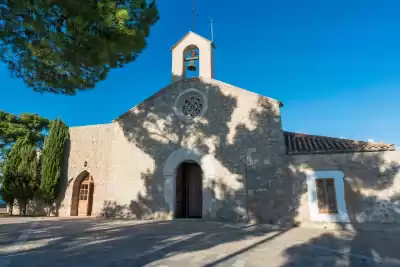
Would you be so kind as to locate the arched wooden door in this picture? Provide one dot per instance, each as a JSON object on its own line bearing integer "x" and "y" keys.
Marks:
{"x": 85, "y": 198}
{"x": 189, "y": 191}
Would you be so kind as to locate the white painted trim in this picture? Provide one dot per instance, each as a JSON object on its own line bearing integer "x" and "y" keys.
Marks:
{"x": 206, "y": 162}
{"x": 191, "y": 33}
{"x": 338, "y": 176}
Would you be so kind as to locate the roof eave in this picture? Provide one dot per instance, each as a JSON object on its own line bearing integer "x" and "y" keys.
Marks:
{"x": 180, "y": 40}
{"x": 339, "y": 152}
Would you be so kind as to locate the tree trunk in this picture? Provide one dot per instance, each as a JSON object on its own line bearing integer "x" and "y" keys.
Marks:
{"x": 10, "y": 208}
{"x": 22, "y": 207}
{"x": 48, "y": 210}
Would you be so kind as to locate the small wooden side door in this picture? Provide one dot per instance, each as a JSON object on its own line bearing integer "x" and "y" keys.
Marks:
{"x": 86, "y": 197}
{"x": 83, "y": 199}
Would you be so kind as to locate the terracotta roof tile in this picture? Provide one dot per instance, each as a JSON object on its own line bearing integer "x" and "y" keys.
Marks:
{"x": 297, "y": 143}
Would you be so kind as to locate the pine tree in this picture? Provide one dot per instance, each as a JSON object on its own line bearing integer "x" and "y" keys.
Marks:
{"x": 20, "y": 177}
{"x": 13, "y": 127}
{"x": 52, "y": 160}
{"x": 62, "y": 46}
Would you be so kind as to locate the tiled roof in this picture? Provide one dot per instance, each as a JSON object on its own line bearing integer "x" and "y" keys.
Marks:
{"x": 297, "y": 143}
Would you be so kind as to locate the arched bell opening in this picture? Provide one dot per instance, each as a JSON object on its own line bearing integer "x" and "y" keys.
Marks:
{"x": 191, "y": 66}
{"x": 82, "y": 195}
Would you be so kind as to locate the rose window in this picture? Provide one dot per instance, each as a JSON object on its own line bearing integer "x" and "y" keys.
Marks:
{"x": 192, "y": 106}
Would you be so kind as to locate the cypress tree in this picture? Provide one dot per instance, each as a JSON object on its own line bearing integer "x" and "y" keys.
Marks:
{"x": 8, "y": 198}
{"x": 20, "y": 177}
{"x": 9, "y": 174}
{"x": 52, "y": 160}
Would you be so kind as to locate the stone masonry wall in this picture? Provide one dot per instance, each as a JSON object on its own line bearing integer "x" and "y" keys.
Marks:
{"x": 372, "y": 184}
{"x": 126, "y": 158}
{"x": 92, "y": 144}
{"x": 242, "y": 133}
{"x": 236, "y": 122}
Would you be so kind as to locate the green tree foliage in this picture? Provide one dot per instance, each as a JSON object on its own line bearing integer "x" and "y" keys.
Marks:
{"x": 20, "y": 176}
{"x": 52, "y": 161}
{"x": 62, "y": 46}
{"x": 8, "y": 199}
{"x": 13, "y": 127}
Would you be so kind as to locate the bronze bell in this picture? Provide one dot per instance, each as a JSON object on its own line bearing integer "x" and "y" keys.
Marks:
{"x": 191, "y": 66}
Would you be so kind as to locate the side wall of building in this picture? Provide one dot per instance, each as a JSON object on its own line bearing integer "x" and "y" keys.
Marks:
{"x": 93, "y": 145}
{"x": 371, "y": 184}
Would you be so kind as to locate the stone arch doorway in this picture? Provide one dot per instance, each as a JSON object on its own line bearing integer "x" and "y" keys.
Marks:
{"x": 189, "y": 191}
{"x": 82, "y": 195}
{"x": 175, "y": 159}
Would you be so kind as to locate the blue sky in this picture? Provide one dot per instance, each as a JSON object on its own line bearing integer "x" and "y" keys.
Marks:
{"x": 334, "y": 64}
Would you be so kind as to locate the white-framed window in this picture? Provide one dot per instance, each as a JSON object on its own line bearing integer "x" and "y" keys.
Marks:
{"x": 326, "y": 196}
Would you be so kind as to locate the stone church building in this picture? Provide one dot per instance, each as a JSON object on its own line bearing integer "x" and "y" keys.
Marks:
{"x": 202, "y": 148}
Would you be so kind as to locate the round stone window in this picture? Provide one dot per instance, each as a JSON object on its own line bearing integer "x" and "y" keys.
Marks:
{"x": 190, "y": 104}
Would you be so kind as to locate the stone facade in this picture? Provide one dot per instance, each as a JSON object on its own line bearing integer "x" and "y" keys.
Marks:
{"x": 237, "y": 139}
{"x": 240, "y": 146}
{"x": 127, "y": 158}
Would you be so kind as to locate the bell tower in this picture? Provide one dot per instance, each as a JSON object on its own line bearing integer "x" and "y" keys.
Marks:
{"x": 192, "y": 53}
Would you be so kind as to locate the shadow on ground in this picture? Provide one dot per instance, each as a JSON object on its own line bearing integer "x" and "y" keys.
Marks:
{"x": 362, "y": 248}
{"x": 123, "y": 243}
{"x": 127, "y": 243}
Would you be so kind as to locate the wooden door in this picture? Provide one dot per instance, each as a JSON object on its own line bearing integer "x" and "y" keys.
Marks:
{"x": 188, "y": 191}
{"x": 179, "y": 193}
{"x": 195, "y": 191}
{"x": 85, "y": 197}
{"x": 326, "y": 195}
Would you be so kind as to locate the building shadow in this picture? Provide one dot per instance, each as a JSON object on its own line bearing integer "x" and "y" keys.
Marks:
{"x": 255, "y": 180}
{"x": 92, "y": 242}
{"x": 272, "y": 184}
{"x": 246, "y": 142}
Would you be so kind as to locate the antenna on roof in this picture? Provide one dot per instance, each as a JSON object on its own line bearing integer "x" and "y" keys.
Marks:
{"x": 193, "y": 15}
{"x": 212, "y": 29}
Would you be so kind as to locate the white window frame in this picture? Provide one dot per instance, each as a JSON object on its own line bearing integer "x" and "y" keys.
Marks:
{"x": 338, "y": 177}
